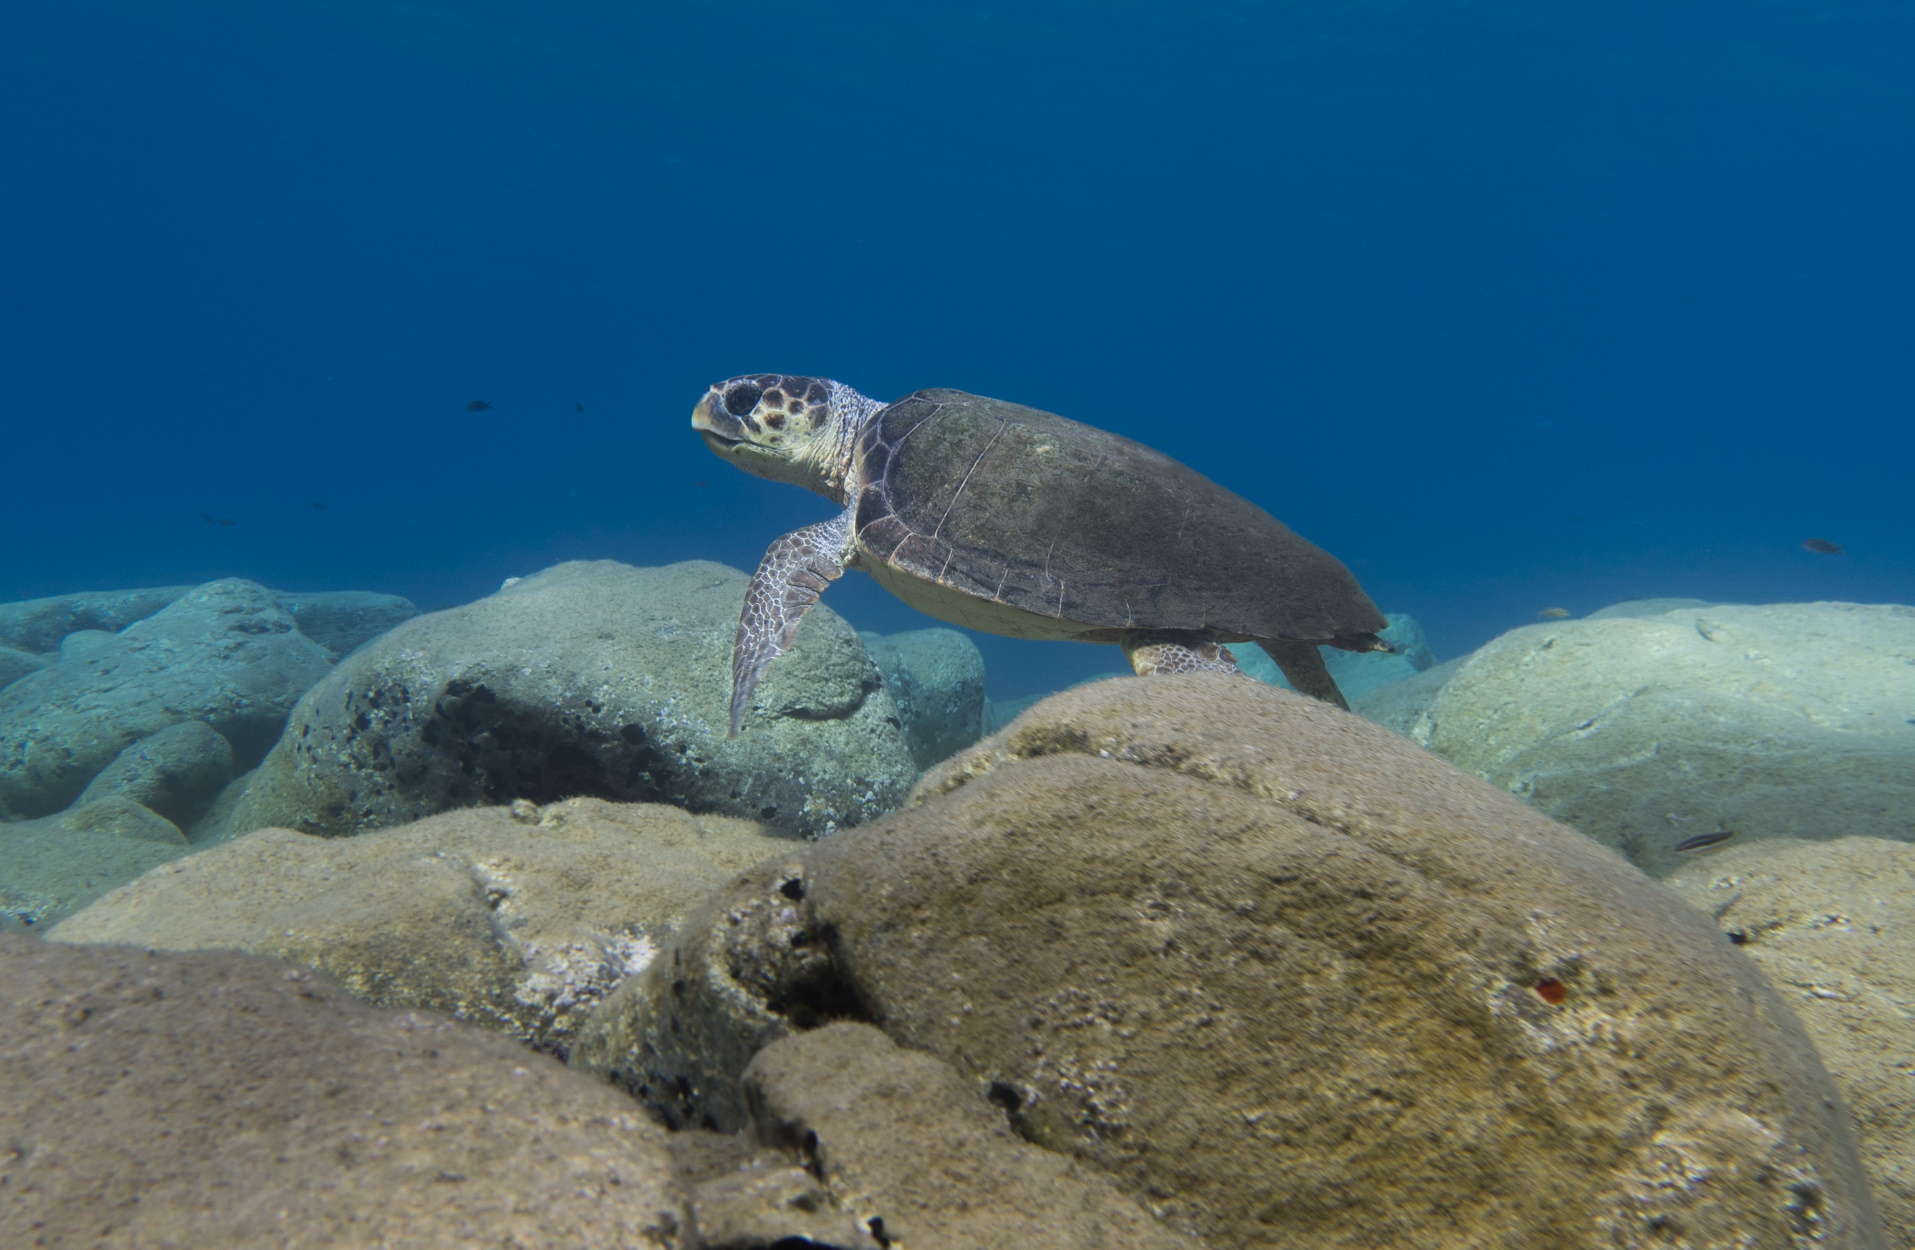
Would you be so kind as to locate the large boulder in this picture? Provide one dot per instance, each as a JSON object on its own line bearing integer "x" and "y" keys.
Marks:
{"x": 225, "y": 654}
{"x": 517, "y": 918}
{"x": 1284, "y": 977}
{"x": 38, "y": 625}
{"x": 1833, "y": 924}
{"x": 17, "y": 664}
{"x": 591, "y": 678}
{"x": 217, "y": 1099}
{"x": 936, "y": 678}
{"x": 177, "y": 772}
{"x": 1789, "y": 720}
{"x": 338, "y": 620}
{"x": 55, "y": 865}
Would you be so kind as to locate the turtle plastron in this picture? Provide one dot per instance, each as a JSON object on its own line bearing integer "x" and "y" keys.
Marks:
{"x": 794, "y": 572}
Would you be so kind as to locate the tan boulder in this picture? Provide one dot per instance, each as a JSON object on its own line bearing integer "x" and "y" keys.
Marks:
{"x": 1287, "y": 980}
{"x": 520, "y": 918}
{"x": 905, "y": 1145}
{"x": 1833, "y": 924}
{"x": 215, "y": 1099}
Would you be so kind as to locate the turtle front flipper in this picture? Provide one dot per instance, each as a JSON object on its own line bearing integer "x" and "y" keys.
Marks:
{"x": 1303, "y": 664}
{"x": 794, "y": 572}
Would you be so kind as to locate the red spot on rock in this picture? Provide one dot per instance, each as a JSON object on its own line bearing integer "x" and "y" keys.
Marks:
{"x": 1552, "y": 991}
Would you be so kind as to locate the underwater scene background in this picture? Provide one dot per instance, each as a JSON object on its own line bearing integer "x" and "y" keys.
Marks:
{"x": 367, "y": 605}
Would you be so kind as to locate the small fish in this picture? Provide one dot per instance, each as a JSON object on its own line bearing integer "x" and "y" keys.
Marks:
{"x": 1702, "y": 843}
{"x": 214, "y": 520}
{"x": 1822, "y": 547}
{"x": 579, "y": 407}
{"x": 478, "y": 405}
{"x": 318, "y": 505}
{"x": 1553, "y": 614}
{"x": 696, "y": 482}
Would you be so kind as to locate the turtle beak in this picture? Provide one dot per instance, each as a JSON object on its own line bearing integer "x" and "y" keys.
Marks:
{"x": 720, "y": 430}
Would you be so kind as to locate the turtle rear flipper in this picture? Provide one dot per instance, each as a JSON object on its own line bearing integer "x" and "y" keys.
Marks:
{"x": 1303, "y": 664}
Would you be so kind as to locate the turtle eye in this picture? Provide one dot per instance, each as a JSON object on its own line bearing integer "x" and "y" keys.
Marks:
{"x": 741, "y": 399}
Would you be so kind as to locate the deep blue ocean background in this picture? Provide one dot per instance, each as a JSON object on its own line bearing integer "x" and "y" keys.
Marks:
{"x": 1510, "y": 305}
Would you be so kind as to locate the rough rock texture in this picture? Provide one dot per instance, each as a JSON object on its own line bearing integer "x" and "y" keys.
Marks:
{"x": 1356, "y": 673}
{"x": 215, "y": 1099}
{"x": 38, "y": 625}
{"x": 1790, "y": 720}
{"x": 17, "y": 664}
{"x": 936, "y": 678}
{"x": 53, "y": 866}
{"x": 747, "y": 1196}
{"x": 510, "y": 917}
{"x": 224, "y": 653}
{"x": 919, "y": 1158}
{"x": 589, "y": 678}
{"x": 177, "y": 772}
{"x": 1288, "y": 980}
{"x": 1833, "y": 924}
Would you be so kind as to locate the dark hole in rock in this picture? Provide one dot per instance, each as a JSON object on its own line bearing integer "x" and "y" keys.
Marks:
{"x": 794, "y": 888}
{"x": 632, "y": 733}
{"x": 1005, "y": 1096}
{"x": 876, "y": 1225}
{"x": 768, "y": 813}
{"x": 1738, "y": 937}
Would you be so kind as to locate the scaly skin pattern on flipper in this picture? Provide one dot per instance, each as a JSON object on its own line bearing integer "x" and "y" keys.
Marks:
{"x": 794, "y": 571}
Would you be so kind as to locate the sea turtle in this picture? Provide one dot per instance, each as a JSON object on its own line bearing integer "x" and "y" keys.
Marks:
{"x": 1002, "y": 518}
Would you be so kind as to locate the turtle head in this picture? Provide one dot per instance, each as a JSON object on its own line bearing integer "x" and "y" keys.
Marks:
{"x": 789, "y": 429}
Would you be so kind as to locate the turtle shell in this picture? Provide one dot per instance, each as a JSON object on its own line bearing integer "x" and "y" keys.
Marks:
{"x": 1032, "y": 515}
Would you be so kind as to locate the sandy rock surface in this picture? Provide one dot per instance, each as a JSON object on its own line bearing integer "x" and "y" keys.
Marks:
{"x": 224, "y": 653}
{"x": 520, "y": 919}
{"x": 1788, "y": 720}
{"x": 908, "y": 1148}
{"x": 1833, "y": 924}
{"x": 1286, "y": 979}
{"x": 215, "y": 1099}
{"x": 589, "y": 678}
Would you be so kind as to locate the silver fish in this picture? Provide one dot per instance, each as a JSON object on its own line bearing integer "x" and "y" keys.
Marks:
{"x": 1702, "y": 843}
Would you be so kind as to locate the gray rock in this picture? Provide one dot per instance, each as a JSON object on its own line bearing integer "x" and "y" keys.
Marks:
{"x": 867, "y": 1117}
{"x": 17, "y": 664}
{"x": 177, "y": 772}
{"x": 1286, "y": 978}
{"x": 1788, "y": 720}
{"x": 1356, "y": 673}
{"x": 225, "y": 653}
{"x": 38, "y": 625}
{"x": 1404, "y": 705}
{"x": 1833, "y": 924}
{"x": 936, "y": 677}
{"x": 344, "y": 620}
{"x": 591, "y": 678}
{"x": 54, "y": 866}
{"x": 218, "y": 1099}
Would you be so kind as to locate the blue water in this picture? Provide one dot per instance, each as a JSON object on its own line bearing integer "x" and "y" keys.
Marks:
{"x": 1510, "y": 305}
